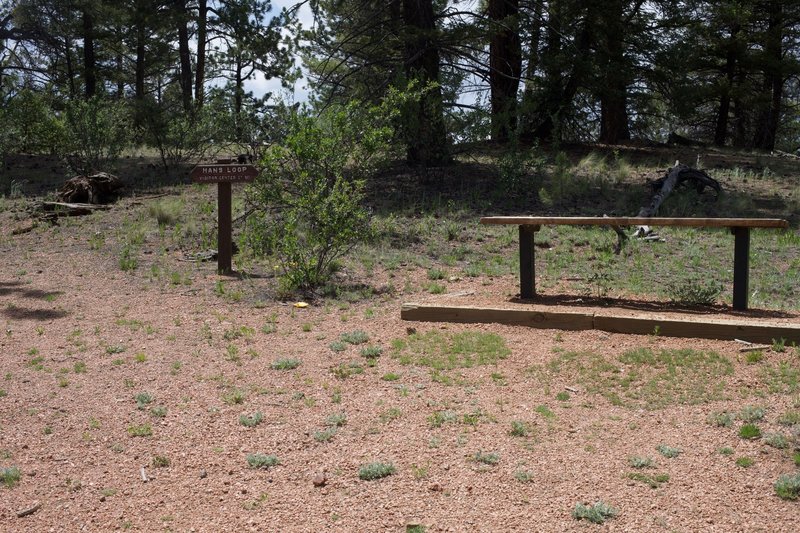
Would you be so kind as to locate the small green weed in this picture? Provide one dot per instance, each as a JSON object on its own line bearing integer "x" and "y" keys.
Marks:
{"x": 440, "y": 418}
{"x": 142, "y": 399}
{"x": 755, "y": 357}
{"x": 354, "y": 337}
{"x": 250, "y": 421}
{"x": 371, "y": 352}
{"x": 160, "y": 461}
{"x": 694, "y": 291}
{"x": 490, "y": 458}
{"x": 562, "y": 396}
{"x": 750, "y": 432}
{"x": 519, "y": 429}
{"x": 234, "y": 397}
{"x": 336, "y": 420}
{"x": 285, "y": 364}
{"x": 338, "y": 346}
{"x": 390, "y": 376}
{"x": 79, "y": 367}
{"x": 668, "y": 451}
{"x": 779, "y": 345}
{"x": 721, "y": 419}
{"x": 159, "y": 411}
{"x": 641, "y": 462}
{"x": 10, "y": 476}
{"x": 597, "y": 513}
{"x": 142, "y": 430}
{"x": 325, "y": 435}
{"x": 523, "y": 476}
{"x": 344, "y": 371}
{"x": 545, "y": 411}
{"x": 435, "y": 274}
{"x": 796, "y": 458}
{"x": 258, "y": 460}
{"x": 390, "y": 414}
{"x": 752, "y": 413}
{"x": 726, "y": 451}
{"x": 653, "y": 482}
{"x": 777, "y": 440}
{"x": 371, "y": 471}
{"x": 789, "y": 418}
{"x": 787, "y": 487}
{"x": 745, "y": 462}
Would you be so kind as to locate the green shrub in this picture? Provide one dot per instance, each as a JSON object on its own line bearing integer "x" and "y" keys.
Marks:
{"x": 694, "y": 291}
{"x": 371, "y": 352}
{"x": 354, "y": 337}
{"x": 371, "y": 471}
{"x": 787, "y": 487}
{"x": 250, "y": 421}
{"x": 751, "y": 413}
{"x": 668, "y": 451}
{"x": 98, "y": 131}
{"x": 745, "y": 462}
{"x": 285, "y": 364}
{"x": 308, "y": 199}
{"x": 597, "y": 513}
{"x": 167, "y": 211}
{"x": 490, "y": 458}
{"x": 258, "y": 460}
{"x": 641, "y": 462}
{"x": 749, "y": 432}
{"x": 10, "y": 476}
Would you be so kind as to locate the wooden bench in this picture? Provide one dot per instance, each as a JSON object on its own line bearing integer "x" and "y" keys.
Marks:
{"x": 740, "y": 228}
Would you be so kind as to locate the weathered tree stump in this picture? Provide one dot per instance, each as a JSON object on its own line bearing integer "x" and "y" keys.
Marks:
{"x": 98, "y": 188}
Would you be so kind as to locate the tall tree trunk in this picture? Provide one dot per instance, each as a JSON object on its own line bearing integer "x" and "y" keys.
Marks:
{"x": 558, "y": 93}
{"x": 237, "y": 98}
{"x": 200, "y": 74}
{"x": 773, "y": 80}
{"x": 185, "y": 55}
{"x": 70, "y": 67}
{"x": 529, "y": 94}
{"x": 505, "y": 66}
{"x": 140, "y": 61}
{"x": 614, "y": 86}
{"x": 89, "y": 70}
{"x": 721, "y": 130}
{"x": 426, "y": 136}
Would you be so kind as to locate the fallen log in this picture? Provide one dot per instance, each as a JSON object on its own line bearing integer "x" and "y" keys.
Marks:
{"x": 675, "y": 176}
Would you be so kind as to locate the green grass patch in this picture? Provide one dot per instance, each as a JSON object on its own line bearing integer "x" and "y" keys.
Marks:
{"x": 490, "y": 458}
{"x": 447, "y": 351}
{"x": 750, "y": 432}
{"x": 653, "y": 481}
{"x": 643, "y": 378}
{"x": 141, "y": 430}
{"x": 250, "y": 421}
{"x": 745, "y": 462}
{"x": 668, "y": 451}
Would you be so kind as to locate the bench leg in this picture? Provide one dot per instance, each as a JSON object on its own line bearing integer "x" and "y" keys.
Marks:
{"x": 527, "y": 273}
{"x": 741, "y": 267}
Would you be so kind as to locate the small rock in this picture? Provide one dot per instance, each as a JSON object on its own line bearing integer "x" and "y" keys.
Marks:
{"x": 319, "y": 480}
{"x": 435, "y": 487}
{"x": 411, "y": 331}
{"x": 203, "y": 474}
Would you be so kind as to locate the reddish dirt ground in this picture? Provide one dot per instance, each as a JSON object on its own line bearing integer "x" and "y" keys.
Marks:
{"x": 67, "y": 427}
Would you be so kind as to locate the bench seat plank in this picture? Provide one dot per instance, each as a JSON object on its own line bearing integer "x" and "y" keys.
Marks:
{"x": 640, "y": 221}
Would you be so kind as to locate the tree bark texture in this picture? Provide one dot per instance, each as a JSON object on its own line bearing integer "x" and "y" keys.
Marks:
{"x": 200, "y": 73}
{"x": 426, "y": 138}
{"x": 505, "y": 66}
{"x": 89, "y": 69}
{"x": 613, "y": 82}
{"x": 731, "y": 57}
{"x": 184, "y": 55}
{"x": 770, "y": 114}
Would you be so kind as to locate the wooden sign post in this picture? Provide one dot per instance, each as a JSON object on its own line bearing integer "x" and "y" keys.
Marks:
{"x": 223, "y": 174}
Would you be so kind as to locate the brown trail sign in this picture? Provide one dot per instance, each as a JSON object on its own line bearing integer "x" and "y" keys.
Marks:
{"x": 223, "y": 174}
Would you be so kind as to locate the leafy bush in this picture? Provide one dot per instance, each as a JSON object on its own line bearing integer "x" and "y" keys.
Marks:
{"x": 307, "y": 200}
{"x": 28, "y": 124}
{"x": 97, "y": 132}
{"x": 10, "y": 476}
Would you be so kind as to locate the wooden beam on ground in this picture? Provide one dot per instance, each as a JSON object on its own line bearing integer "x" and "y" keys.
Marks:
{"x": 574, "y": 321}
{"x": 643, "y": 324}
{"x": 698, "y": 328}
